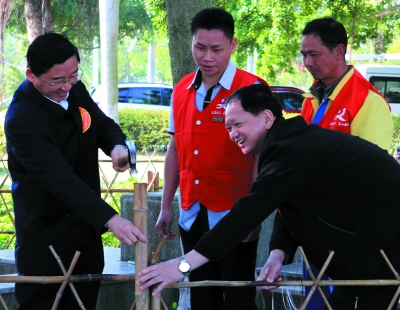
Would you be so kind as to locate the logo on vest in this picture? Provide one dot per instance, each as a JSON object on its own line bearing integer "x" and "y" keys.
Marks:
{"x": 339, "y": 120}
{"x": 220, "y": 110}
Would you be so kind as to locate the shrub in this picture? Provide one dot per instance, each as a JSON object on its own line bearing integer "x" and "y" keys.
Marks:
{"x": 148, "y": 128}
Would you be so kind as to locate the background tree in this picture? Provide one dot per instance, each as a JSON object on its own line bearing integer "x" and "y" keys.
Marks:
{"x": 5, "y": 10}
{"x": 174, "y": 17}
{"x": 38, "y": 18}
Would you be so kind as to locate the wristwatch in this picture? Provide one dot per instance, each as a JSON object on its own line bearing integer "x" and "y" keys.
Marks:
{"x": 184, "y": 266}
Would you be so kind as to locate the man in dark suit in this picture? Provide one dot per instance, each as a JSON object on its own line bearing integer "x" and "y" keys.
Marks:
{"x": 326, "y": 199}
{"x": 53, "y": 130}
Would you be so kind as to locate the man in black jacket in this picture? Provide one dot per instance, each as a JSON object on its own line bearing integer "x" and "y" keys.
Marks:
{"x": 333, "y": 191}
{"x": 53, "y": 130}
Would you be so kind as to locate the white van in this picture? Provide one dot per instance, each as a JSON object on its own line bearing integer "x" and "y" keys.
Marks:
{"x": 386, "y": 79}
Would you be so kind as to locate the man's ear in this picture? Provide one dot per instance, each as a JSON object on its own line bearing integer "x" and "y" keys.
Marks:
{"x": 340, "y": 51}
{"x": 269, "y": 118}
{"x": 29, "y": 74}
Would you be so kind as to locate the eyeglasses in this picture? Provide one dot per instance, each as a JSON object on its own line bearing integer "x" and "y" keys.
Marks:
{"x": 72, "y": 79}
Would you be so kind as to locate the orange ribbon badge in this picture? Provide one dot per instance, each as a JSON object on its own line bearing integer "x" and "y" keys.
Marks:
{"x": 86, "y": 119}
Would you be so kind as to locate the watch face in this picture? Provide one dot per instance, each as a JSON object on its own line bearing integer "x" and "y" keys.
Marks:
{"x": 184, "y": 267}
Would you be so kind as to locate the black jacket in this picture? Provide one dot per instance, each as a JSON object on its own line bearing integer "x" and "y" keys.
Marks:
{"x": 333, "y": 192}
{"x": 54, "y": 168}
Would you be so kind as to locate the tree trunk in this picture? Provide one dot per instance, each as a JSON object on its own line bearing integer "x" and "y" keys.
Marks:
{"x": 38, "y": 18}
{"x": 5, "y": 10}
{"x": 179, "y": 17}
{"x": 109, "y": 19}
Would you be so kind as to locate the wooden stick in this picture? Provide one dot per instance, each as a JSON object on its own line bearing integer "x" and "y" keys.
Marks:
{"x": 133, "y": 305}
{"x": 74, "y": 278}
{"x": 141, "y": 249}
{"x": 396, "y": 295}
{"x": 157, "y": 253}
{"x": 131, "y": 278}
{"x": 317, "y": 280}
{"x": 65, "y": 282}
{"x": 312, "y": 277}
{"x": 155, "y": 301}
{"x": 3, "y": 303}
{"x": 207, "y": 283}
{"x": 72, "y": 287}
{"x": 164, "y": 304}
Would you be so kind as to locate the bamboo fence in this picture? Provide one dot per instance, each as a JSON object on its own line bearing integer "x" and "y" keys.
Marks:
{"x": 143, "y": 257}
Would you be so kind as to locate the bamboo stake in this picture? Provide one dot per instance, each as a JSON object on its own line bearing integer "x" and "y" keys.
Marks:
{"x": 60, "y": 263}
{"x": 133, "y": 305}
{"x": 155, "y": 301}
{"x": 141, "y": 249}
{"x": 396, "y": 295}
{"x": 75, "y": 278}
{"x": 3, "y": 303}
{"x": 65, "y": 282}
{"x": 131, "y": 278}
{"x": 317, "y": 280}
{"x": 312, "y": 277}
{"x": 207, "y": 283}
{"x": 158, "y": 251}
{"x": 164, "y": 304}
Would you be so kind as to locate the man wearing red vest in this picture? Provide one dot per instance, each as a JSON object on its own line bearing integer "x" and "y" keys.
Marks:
{"x": 210, "y": 170}
{"x": 340, "y": 98}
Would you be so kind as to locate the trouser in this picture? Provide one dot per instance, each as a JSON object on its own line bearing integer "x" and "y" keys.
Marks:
{"x": 239, "y": 265}
{"x": 42, "y": 296}
{"x": 375, "y": 297}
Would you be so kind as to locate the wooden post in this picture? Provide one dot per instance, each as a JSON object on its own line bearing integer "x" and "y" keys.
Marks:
{"x": 157, "y": 182}
{"x": 150, "y": 177}
{"x": 141, "y": 249}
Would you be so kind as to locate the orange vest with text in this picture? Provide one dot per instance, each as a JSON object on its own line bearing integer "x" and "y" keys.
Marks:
{"x": 345, "y": 106}
{"x": 212, "y": 169}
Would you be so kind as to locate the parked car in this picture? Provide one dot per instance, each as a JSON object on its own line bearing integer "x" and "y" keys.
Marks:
{"x": 386, "y": 79}
{"x": 290, "y": 98}
{"x": 158, "y": 96}
{"x": 138, "y": 95}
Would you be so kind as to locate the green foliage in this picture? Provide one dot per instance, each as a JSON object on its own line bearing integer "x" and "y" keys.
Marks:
{"x": 148, "y": 128}
{"x": 396, "y": 133}
{"x": 273, "y": 28}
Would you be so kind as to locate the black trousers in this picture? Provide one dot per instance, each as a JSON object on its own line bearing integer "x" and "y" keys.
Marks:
{"x": 376, "y": 297}
{"x": 42, "y": 296}
{"x": 239, "y": 265}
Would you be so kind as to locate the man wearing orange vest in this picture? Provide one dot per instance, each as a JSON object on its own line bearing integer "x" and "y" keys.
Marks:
{"x": 340, "y": 98}
{"x": 210, "y": 170}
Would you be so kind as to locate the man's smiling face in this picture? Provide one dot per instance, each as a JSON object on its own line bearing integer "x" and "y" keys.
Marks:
{"x": 246, "y": 130}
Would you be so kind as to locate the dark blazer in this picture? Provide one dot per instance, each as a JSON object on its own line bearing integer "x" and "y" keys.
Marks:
{"x": 333, "y": 192}
{"x": 54, "y": 167}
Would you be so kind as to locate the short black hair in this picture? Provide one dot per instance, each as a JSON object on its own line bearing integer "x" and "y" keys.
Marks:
{"x": 48, "y": 50}
{"x": 331, "y": 32}
{"x": 256, "y": 98}
{"x": 214, "y": 18}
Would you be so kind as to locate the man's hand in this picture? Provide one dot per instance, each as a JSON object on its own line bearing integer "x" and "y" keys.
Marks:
{"x": 163, "y": 224}
{"x": 272, "y": 269}
{"x": 166, "y": 273}
{"x": 253, "y": 235}
{"x": 125, "y": 231}
{"x": 120, "y": 158}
